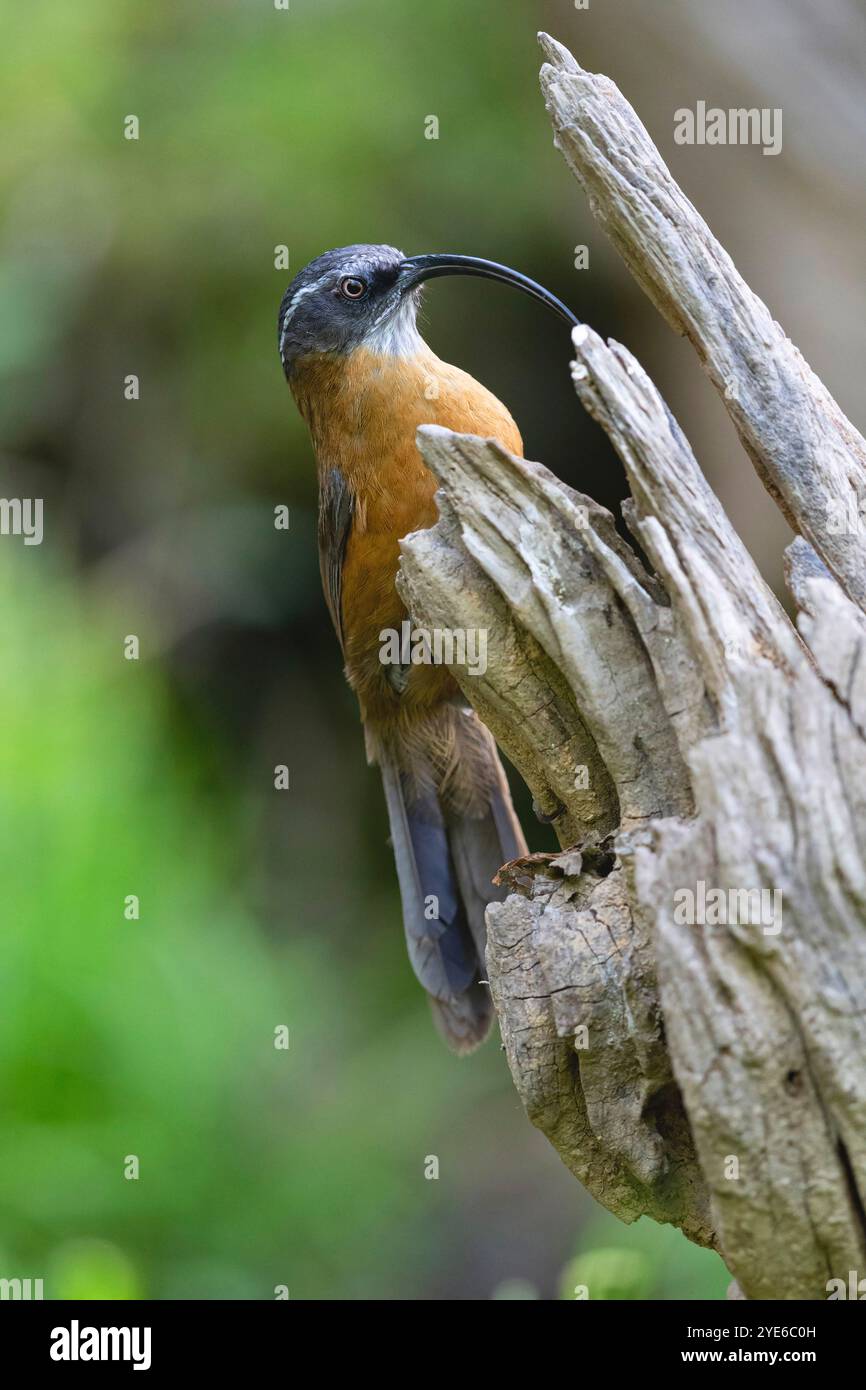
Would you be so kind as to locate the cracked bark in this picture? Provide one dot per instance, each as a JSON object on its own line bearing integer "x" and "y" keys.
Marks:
{"x": 708, "y": 1075}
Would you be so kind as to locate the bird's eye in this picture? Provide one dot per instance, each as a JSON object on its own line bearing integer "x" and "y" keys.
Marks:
{"x": 352, "y": 288}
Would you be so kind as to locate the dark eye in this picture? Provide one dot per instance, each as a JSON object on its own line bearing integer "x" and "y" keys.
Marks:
{"x": 352, "y": 288}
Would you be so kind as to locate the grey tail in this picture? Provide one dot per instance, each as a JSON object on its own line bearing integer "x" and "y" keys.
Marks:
{"x": 452, "y": 828}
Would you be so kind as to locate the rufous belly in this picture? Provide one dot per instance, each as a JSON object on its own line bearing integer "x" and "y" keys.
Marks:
{"x": 363, "y": 411}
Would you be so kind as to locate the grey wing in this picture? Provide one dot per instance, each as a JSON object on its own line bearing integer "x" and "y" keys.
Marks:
{"x": 336, "y": 509}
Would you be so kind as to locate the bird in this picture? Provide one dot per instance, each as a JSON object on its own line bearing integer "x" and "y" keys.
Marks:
{"x": 364, "y": 379}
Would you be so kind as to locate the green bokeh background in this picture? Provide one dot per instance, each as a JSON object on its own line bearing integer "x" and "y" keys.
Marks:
{"x": 154, "y": 1037}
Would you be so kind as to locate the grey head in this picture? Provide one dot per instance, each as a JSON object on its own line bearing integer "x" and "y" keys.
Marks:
{"x": 347, "y": 298}
{"x": 368, "y": 296}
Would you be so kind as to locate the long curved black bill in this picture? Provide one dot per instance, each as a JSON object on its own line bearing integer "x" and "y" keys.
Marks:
{"x": 418, "y": 268}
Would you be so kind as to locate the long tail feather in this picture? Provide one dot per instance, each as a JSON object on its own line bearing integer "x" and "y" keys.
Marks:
{"x": 452, "y": 827}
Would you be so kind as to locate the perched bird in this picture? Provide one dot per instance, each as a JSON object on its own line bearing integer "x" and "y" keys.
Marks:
{"x": 364, "y": 380}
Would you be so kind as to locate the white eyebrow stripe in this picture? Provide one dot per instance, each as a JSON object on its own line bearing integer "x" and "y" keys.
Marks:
{"x": 361, "y": 266}
{"x": 295, "y": 301}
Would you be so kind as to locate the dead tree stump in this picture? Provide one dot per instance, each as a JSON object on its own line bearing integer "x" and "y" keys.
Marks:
{"x": 681, "y": 994}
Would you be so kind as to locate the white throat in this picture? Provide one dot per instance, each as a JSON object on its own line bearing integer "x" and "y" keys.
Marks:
{"x": 396, "y": 334}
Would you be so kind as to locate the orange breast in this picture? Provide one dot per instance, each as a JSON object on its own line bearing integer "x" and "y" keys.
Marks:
{"x": 363, "y": 411}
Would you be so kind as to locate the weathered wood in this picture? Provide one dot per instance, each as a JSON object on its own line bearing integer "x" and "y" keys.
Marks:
{"x": 808, "y": 454}
{"x": 693, "y": 1049}
{"x": 573, "y": 980}
{"x": 512, "y": 538}
{"x": 521, "y": 696}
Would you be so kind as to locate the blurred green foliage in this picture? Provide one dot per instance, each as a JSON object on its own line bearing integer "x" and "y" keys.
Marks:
{"x": 608, "y": 1274}
{"x": 641, "y": 1261}
{"x": 155, "y": 1037}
